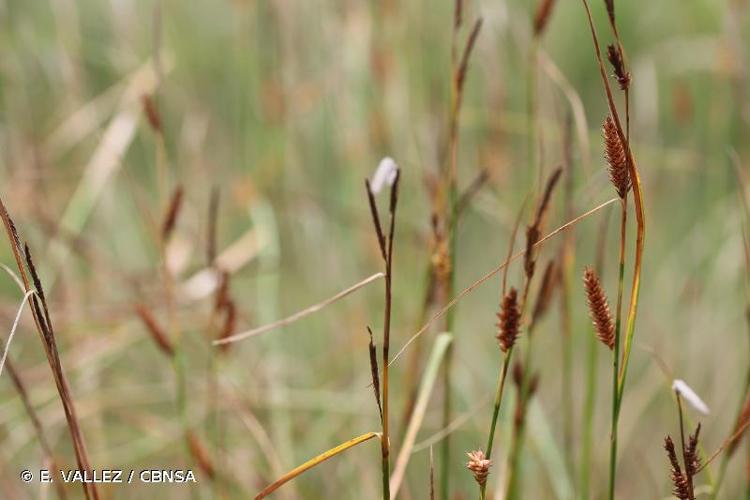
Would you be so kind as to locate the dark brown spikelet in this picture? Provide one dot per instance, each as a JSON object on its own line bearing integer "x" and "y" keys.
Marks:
{"x": 152, "y": 113}
{"x": 599, "y": 308}
{"x": 692, "y": 459}
{"x": 213, "y": 215}
{"x": 479, "y": 465}
{"x": 200, "y": 454}
{"x": 546, "y": 290}
{"x": 374, "y": 372}
{"x": 542, "y": 16}
{"x": 680, "y": 489}
{"x": 230, "y": 324}
{"x": 618, "y": 65}
{"x": 614, "y": 154}
{"x": 173, "y": 210}
{"x": 534, "y": 231}
{"x": 153, "y": 328}
{"x": 45, "y": 321}
{"x": 221, "y": 298}
{"x": 739, "y": 427}
{"x": 508, "y": 318}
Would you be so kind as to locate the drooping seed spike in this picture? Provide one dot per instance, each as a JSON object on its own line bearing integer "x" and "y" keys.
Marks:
{"x": 614, "y": 154}
{"x": 599, "y": 308}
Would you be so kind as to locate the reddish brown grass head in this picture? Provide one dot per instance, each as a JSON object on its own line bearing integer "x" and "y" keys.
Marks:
{"x": 541, "y": 18}
{"x": 614, "y": 154}
{"x": 599, "y": 308}
{"x": 680, "y": 487}
{"x": 509, "y": 319}
{"x": 618, "y": 65}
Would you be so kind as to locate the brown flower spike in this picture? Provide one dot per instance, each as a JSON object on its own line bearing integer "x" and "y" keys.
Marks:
{"x": 614, "y": 154}
{"x": 508, "y": 318}
{"x": 599, "y": 308}
{"x": 679, "y": 481}
{"x": 618, "y": 65}
{"x": 479, "y": 465}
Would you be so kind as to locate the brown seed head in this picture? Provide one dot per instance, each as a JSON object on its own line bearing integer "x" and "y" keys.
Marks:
{"x": 618, "y": 65}
{"x": 508, "y": 318}
{"x": 542, "y": 16}
{"x": 479, "y": 466}
{"x": 152, "y": 113}
{"x": 693, "y": 460}
{"x": 173, "y": 211}
{"x": 599, "y": 308}
{"x": 681, "y": 489}
{"x": 614, "y": 154}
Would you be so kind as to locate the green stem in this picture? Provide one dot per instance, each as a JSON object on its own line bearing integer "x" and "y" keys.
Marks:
{"x": 514, "y": 482}
{"x": 588, "y": 415}
{"x": 616, "y": 353}
{"x": 496, "y": 410}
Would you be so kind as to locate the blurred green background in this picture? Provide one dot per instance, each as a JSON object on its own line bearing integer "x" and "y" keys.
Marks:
{"x": 287, "y": 106}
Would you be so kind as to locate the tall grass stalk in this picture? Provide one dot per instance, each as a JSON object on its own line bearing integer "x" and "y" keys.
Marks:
{"x": 385, "y": 241}
{"x": 459, "y": 67}
{"x": 616, "y": 350}
{"x": 587, "y": 427}
{"x": 640, "y": 236}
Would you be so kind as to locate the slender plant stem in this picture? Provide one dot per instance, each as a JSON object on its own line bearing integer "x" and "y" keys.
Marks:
{"x": 514, "y": 482}
{"x": 496, "y": 410}
{"x": 616, "y": 351}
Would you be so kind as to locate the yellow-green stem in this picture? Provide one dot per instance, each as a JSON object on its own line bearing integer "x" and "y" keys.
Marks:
{"x": 496, "y": 410}
{"x": 616, "y": 352}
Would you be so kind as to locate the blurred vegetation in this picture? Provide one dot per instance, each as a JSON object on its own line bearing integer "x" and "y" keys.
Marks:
{"x": 287, "y": 106}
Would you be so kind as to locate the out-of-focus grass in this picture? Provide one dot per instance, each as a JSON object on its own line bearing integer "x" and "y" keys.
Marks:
{"x": 287, "y": 106}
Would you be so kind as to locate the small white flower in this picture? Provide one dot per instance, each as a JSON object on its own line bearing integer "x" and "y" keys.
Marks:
{"x": 690, "y": 396}
{"x": 384, "y": 175}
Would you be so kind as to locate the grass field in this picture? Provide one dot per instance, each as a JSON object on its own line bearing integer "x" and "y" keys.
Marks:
{"x": 187, "y": 171}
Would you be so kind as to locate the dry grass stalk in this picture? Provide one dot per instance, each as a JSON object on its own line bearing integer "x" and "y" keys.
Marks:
{"x": 599, "y": 308}
{"x": 739, "y": 427}
{"x": 200, "y": 454}
{"x": 617, "y": 163}
{"x": 45, "y": 329}
{"x": 157, "y": 333}
{"x": 299, "y": 314}
{"x": 314, "y": 462}
{"x": 36, "y": 423}
{"x": 479, "y": 466}
{"x": 509, "y": 319}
